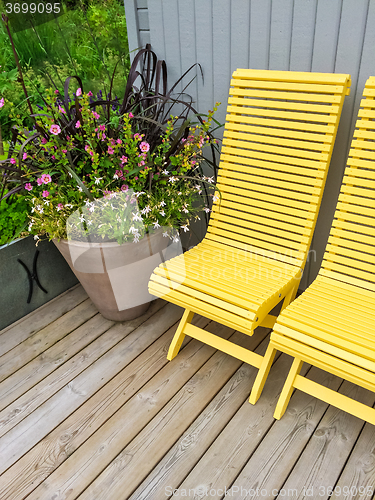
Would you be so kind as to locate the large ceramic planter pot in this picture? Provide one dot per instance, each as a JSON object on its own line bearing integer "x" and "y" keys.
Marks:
{"x": 116, "y": 276}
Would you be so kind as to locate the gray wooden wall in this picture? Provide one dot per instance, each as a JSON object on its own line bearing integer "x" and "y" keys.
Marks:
{"x": 304, "y": 35}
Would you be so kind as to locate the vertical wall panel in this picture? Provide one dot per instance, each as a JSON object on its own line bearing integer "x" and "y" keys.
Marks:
{"x": 204, "y": 52}
{"x": 260, "y": 23}
{"x": 303, "y": 29}
{"x": 304, "y": 35}
{"x": 221, "y": 22}
{"x": 186, "y": 10}
{"x": 239, "y": 34}
{"x": 281, "y": 30}
{"x": 157, "y": 35}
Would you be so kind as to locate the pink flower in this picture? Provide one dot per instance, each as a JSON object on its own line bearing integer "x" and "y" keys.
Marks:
{"x": 136, "y": 177}
{"x": 124, "y": 159}
{"x": 78, "y": 124}
{"x": 86, "y": 147}
{"x": 46, "y": 178}
{"x": 103, "y": 136}
{"x": 60, "y": 206}
{"x": 91, "y": 153}
{"x": 2, "y": 102}
{"x": 44, "y": 141}
{"x": 39, "y": 181}
{"x": 119, "y": 141}
{"x": 24, "y": 156}
{"x": 96, "y": 115}
{"x": 79, "y": 92}
{"x": 55, "y": 129}
{"x": 131, "y": 115}
{"x": 65, "y": 151}
{"x": 113, "y": 142}
{"x": 89, "y": 93}
{"x": 56, "y": 91}
{"x": 110, "y": 150}
{"x": 141, "y": 163}
{"x": 28, "y": 186}
{"x": 45, "y": 194}
{"x": 12, "y": 161}
{"x": 137, "y": 136}
{"x": 124, "y": 187}
{"x": 102, "y": 127}
{"x": 144, "y": 146}
{"x": 119, "y": 173}
{"x": 53, "y": 157}
{"x": 61, "y": 109}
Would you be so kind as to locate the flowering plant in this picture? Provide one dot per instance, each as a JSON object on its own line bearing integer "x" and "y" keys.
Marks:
{"x": 98, "y": 148}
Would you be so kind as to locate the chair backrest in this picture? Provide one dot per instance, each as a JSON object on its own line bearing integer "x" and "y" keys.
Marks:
{"x": 350, "y": 253}
{"x": 278, "y": 139}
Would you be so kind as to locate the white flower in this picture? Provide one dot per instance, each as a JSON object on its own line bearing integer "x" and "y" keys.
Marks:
{"x": 98, "y": 179}
{"x": 139, "y": 194}
{"x": 156, "y": 225}
{"x": 80, "y": 189}
{"x": 162, "y": 213}
{"x": 70, "y": 174}
{"x": 92, "y": 208}
{"x": 136, "y": 238}
{"x": 36, "y": 237}
{"x": 165, "y": 234}
{"x": 165, "y": 172}
{"x": 215, "y": 198}
{"x": 179, "y": 192}
{"x": 210, "y": 180}
{"x": 184, "y": 209}
{"x": 69, "y": 205}
{"x": 206, "y": 209}
{"x": 185, "y": 228}
{"x": 172, "y": 179}
{"x": 82, "y": 218}
{"x": 30, "y": 226}
{"x": 115, "y": 176}
{"x": 89, "y": 222}
{"x": 146, "y": 210}
{"x": 137, "y": 216}
{"x": 33, "y": 210}
{"x": 46, "y": 202}
{"x": 162, "y": 203}
{"x": 87, "y": 203}
{"x": 41, "y": 209}
{"x": 176, "y": 239}
{"x": 133, "y": 230}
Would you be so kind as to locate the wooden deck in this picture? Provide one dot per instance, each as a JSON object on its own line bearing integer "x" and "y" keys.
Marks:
{"x": 92, "y": 410}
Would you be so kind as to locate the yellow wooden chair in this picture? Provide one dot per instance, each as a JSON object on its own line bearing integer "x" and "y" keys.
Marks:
{"x": 278, "y": 139}
{"x": 331, "y": 325}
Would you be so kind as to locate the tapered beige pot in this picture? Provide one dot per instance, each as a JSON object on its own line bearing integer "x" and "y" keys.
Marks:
{"x": 116, "y": 276}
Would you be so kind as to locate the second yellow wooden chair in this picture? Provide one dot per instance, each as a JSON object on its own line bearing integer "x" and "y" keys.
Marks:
{"x": 332, "y": 324}
{"x": 278, "y": 139}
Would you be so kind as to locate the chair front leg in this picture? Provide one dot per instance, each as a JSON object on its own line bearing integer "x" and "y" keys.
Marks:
{"x": 288, "y": 388}
{"x": 179, "y": 335}
{"x": 262, "y": 374}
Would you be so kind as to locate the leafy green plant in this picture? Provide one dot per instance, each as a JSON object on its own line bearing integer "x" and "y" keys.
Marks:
{"x": 14, "y": 218}
{"x": 89, "y": 148}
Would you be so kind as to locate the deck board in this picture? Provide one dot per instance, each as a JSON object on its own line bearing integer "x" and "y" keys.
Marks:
{"x": 92, "y": 410}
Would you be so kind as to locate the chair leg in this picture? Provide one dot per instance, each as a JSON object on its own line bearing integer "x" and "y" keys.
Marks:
{"x": 262, "y": 374}
{"x": 179, "y": 335}
{"x": 288, "y": 388}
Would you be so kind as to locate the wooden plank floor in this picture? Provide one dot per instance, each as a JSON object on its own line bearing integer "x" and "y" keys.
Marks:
{"x": 91, "y": 409}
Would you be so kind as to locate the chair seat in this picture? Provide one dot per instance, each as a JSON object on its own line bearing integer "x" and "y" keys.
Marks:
{"x": 329, "y": 325}
{"x": 226, "y": 284}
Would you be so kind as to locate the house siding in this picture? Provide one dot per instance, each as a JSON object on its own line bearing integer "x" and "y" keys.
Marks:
{"x": 300, "y": 35}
